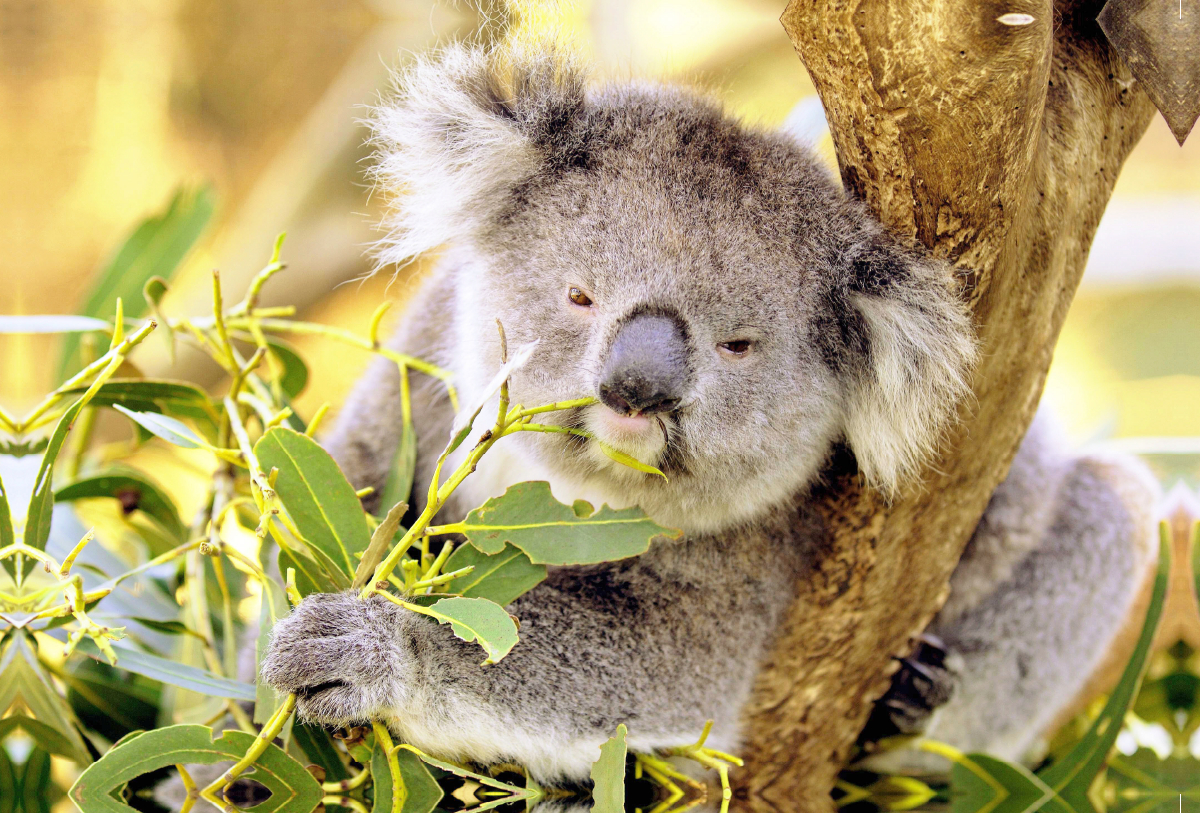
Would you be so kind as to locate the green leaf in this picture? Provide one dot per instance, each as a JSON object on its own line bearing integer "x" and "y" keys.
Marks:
{"x": 1072, "y": 775}
{"x": 608, "y": 775}
{"x": 398, "y": 487}
{"x": 294, "y": 377}
{"x": 627, "y": 460}
{"x": 167, "y": 627}
{"x": 41, "y": 503}
{"x": 155, "y": 248}
{"x": 28, "y": 691}
{"x": 10, "y": 784}
{"x": 310, "y": 577}
{"x": 318, "y": 747}
{"x": 274, "y": 607}
{"x": 52, "y": 324}
{"x": 476, "y": 619}
{"x": 293, "y": 789}
{"x": 7, "y": 535}
{"x": 134, "y": 490}
{"x": 979, "y": 782}
{"x": 175, "y": 674}
{"x": 37, "y": 791}
{"x": 316, "y": 494}
{"x": 381, "y": 540}
{"x": 169, "y": 429}
{"x": 110, "y": 701}
{"x": 500, "y": 577}
{"x": 420, "y": 793}
{"x": 528, "y": 516}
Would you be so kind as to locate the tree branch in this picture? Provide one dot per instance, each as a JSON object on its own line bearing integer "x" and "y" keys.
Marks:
{"x": 996, "y": 143}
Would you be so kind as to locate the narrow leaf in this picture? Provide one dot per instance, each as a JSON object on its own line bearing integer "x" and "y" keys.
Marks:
{"x": 381, "y": 540}
{"x": 175, "y": 674}
{"x": 41, "y": 503}
{"x": 155, "y": 248}
{"x": 169, "y": 429}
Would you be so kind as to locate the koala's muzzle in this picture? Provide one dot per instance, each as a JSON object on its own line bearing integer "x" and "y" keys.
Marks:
{"x": 647, "y": 369}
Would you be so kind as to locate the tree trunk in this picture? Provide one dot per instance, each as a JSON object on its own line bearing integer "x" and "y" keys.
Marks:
{"x": 993, "y": 133}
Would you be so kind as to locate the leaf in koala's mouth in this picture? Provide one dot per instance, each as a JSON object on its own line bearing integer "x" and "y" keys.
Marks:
{"x": 309, "y": 691}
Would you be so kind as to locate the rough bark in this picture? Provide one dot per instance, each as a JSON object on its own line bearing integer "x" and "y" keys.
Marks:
{"x": 996, "y": 145}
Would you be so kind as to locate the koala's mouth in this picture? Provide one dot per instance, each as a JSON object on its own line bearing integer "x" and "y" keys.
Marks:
{"x": 310, "y": 691}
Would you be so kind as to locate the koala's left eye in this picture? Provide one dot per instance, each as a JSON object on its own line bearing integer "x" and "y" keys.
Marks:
{"x": 735, "y": 348}
{"x": 578, "y": 297}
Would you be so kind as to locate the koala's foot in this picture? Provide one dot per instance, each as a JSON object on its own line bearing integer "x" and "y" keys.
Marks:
{"x": 344, "y": 658}
{"x": 925, "y": 681}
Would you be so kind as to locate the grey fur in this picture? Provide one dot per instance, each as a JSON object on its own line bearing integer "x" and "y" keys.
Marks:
{"x": 648, "y": 199}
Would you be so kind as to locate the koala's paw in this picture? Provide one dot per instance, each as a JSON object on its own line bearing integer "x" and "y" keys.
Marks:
{"x": 925, "y": 681}
{"x": 343, "y": 657}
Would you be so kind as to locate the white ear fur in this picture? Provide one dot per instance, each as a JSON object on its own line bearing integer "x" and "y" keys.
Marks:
{"x": 454, "y": 141}
{"x": 921, "y": 350}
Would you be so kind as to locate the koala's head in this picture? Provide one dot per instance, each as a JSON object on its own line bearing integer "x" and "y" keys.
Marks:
{"x": 734, "y": 313}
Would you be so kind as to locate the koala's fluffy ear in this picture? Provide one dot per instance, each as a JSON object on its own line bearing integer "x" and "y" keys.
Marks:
{"x": 463, "y": 130}
{"x": 912, "y": 348}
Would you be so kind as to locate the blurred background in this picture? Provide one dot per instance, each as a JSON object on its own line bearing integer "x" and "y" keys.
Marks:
{"x": 109, "y": 106}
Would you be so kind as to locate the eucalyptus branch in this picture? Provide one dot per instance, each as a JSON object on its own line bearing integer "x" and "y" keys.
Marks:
{"x": 269, "y": 732}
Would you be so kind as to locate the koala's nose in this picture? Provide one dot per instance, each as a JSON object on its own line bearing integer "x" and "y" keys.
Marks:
{"x": 647, "y": 366}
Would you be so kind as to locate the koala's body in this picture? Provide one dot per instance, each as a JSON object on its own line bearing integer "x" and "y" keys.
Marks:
{"x": 739, "y": 319}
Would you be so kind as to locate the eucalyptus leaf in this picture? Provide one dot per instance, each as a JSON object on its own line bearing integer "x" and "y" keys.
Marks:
{"x": 170, "y": 672}
{"x": 155, "y": 248}
{"x": 608, "y": 775}
{"x": 310, "y": 577}
{"x": 398, "y": 486}
{"x": 293, "y": 789}
{"x": 528, "y": 516}
{"x": 169, "y": 429}
{"x": 316, "y": 494}
{"x": 500, "y": 577}
{"x": 135, "y": 491}
{"x": 478, "y": 620}
{"x": 25, "y": 685}
{"x": 381, "y": 540}
{"x": 41, "y": 503}
{"x": 420, "y": 792}
{"x": 7, "y": 535}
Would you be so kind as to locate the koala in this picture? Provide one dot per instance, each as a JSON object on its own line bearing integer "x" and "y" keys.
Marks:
{"x": 741, "y": 321}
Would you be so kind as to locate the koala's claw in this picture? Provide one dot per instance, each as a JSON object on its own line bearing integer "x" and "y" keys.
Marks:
{"x": 341, "y": 656}
{"x": 925, "y": 681}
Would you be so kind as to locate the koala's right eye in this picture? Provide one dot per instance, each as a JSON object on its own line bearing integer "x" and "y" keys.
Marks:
{"x": 578, "y": 297}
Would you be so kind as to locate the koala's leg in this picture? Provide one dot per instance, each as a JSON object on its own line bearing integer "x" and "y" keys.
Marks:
{"x": 1044, "y": 592}
{"x": 661, "y": 643}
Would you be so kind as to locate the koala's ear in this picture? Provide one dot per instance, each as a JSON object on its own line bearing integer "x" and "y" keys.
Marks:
{"x": 910, "y": 349}
{"x": 464, "y": 129}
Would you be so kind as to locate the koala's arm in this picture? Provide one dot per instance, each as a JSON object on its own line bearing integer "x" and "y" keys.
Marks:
{"x": 1046, "y": 589}
{"x": 660, "y": 643}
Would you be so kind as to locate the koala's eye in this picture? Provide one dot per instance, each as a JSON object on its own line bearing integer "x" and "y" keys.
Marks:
{"x": 578, "y": 297}
{"x": 735, "y": 348}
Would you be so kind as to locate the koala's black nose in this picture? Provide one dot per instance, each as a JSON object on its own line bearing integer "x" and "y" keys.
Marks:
{"x": 647, "y": 366}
